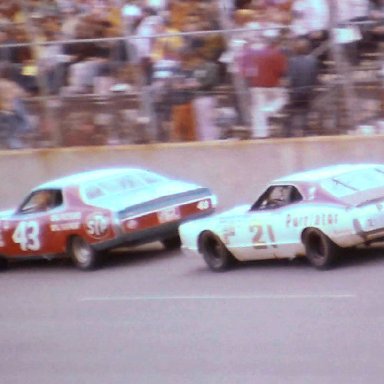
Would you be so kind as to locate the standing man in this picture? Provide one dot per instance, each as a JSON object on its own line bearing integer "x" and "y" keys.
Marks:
{"x": 14, "y": 119}
{"x": 302, "y": 78}
{"x": 310, "y": 19}
{"x": 207, "y": 75}
{"x": 183, "y": 88}
{"x": 264, "y": 68}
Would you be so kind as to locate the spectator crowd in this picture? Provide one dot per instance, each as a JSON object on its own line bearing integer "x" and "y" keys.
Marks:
{"x": 174, "y": 55}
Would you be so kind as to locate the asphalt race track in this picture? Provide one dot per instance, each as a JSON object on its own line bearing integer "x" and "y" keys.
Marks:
{"x": 153, "y": 316}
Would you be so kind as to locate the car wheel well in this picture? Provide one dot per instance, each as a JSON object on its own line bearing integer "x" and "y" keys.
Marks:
{"x": 3, "y": 263}
{"x": 306, "y": 230}
{"x": 314, "y": 231}
{"x": 69, "y": 241}
{"x": 303, "y": 233}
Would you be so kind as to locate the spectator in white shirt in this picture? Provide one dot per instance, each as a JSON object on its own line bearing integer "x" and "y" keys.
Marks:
{"x": 348, "y": 14}
{"x": 310, "y": 18}
{"x": 131, "y": 13}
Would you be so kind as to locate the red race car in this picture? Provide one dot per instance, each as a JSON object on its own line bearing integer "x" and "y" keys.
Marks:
{"x": 85, "y": 213}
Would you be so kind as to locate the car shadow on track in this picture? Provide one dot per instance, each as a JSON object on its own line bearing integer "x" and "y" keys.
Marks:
{"x": 349, "y": 259}
{"x": 39, "y": 264}
{"x": 357, "y": 257}
{"x": 129, "y": 256}
{"x": 264, "y": 265}
{"x": 136, "y": 256}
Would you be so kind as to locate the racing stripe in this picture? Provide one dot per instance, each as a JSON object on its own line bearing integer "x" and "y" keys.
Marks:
{"x": 163, "y": 202}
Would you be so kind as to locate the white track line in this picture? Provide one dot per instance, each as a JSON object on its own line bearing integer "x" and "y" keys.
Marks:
{"x": 332, "y": 296}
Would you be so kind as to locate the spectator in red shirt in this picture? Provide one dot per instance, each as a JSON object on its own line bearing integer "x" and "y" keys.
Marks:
{"x": 264, "y": 68}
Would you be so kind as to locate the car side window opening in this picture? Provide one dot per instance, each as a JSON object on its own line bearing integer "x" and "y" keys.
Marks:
{"x": 277, "y": 196}
{"x": 41, "y": 201}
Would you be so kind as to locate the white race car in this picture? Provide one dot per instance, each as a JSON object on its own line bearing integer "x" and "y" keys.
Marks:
{"x": 315, "y": 214}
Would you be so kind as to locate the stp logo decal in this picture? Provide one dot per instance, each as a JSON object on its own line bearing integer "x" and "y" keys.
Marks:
{"x": 97, "y": 225}
{"x": 132, "y": 224}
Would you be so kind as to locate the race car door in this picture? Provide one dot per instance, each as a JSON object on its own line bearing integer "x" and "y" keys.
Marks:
{"x": 27, "y": 231}
{"x": 260, "y": 233}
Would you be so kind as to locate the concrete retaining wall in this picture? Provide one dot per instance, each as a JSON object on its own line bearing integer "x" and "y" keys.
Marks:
{"x": 235, "y": 170}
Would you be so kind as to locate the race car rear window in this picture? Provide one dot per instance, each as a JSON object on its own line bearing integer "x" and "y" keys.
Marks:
{"x": 151, "y": 178}
{"x": 353, "y": 182}
{"x": 120, "y": 184}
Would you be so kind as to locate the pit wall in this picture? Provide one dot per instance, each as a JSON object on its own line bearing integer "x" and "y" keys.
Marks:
{"x": 237, "y": 171}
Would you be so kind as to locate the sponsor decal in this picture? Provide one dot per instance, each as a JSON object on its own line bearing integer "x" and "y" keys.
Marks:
{"x": 132, "y": 224}
{"x": 227, "y": 234}
{"x": 2, "y": 243}
{"x": 375, "y": 221}
{"x": 203, "y": 205}
{"x": 169, "y": 214}
{"x": 66, "y": 221}
{"x": 97, "y": 225}
{"x": 309, "y": 220}
{"x": 66, "y": 216}
{"x": 370, "y": 223}
{"x": 70, "y": 226}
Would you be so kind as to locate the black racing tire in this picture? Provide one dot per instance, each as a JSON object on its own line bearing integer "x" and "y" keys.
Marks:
{"x": 320, "y": 250}
{"x": 172, "y": 242}
{"x": 83, "y": 255}
{"x": 3, "y": 263}
{"x": 215, "y": 253}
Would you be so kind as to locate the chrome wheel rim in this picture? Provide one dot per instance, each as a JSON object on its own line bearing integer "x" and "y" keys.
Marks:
{"x": 82, "y": 251}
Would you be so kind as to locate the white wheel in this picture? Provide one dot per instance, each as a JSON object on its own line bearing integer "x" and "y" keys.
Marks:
{"x": 82, "y": 254}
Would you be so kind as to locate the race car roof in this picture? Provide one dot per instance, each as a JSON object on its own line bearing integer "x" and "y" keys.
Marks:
{"x": 83, "y": 177}
{"x": 319, "y": 174}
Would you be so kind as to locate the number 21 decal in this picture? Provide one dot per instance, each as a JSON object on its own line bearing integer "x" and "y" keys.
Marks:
{"x": 263, "y": 236}
{"x": 27, "y": 235}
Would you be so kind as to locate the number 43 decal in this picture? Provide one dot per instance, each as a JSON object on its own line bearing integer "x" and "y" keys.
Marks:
{"x": 27, "y": 235}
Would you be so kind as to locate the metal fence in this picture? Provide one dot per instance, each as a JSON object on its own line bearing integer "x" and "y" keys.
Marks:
{"x": 120, "y": 108}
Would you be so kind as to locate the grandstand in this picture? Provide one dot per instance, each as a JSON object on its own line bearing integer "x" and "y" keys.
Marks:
{"x": 87, "y": 68}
